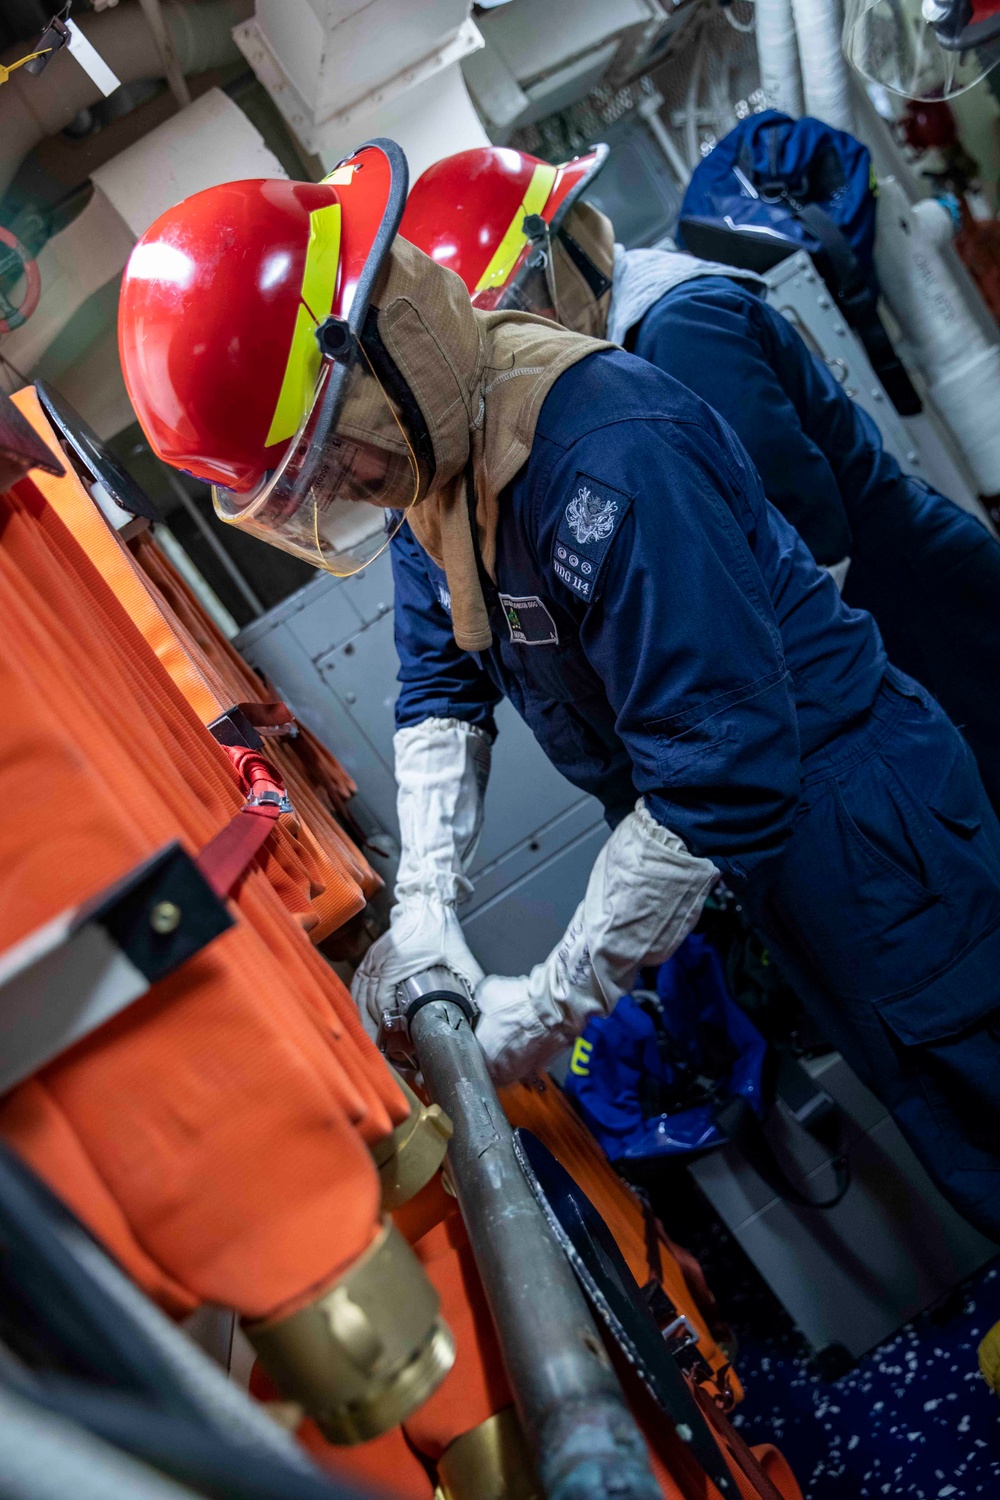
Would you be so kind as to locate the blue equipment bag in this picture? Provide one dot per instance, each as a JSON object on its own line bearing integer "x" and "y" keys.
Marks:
{"x": 774, "y": 186}
{"x": 681, "y": 1070}
{"x": 646, "y": 1078}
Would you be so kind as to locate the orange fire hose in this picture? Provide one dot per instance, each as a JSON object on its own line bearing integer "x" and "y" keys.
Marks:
{"x": 325, "y": 879}
{"x": 225, "y": 1114}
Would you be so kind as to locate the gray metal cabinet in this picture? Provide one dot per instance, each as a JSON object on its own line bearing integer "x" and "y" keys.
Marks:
{"x": 853, "y": 1274}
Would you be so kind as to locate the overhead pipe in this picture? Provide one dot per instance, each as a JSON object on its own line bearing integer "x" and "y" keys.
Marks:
{"x": 825, "y": 75}
{"x": 34, "y": 108}
{"x": 583, "y": 1438}
{"x": 153, "y": 11}
{"x": 777, "y": 50}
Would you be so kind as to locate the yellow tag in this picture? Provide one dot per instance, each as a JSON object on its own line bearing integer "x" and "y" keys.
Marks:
{"x": 319, "y": 279}
{"x": 580, "y": 1058}
{"x": 515, "y": 239}
{"x": 340, "y": 176}
{"x": 5, "y": 72}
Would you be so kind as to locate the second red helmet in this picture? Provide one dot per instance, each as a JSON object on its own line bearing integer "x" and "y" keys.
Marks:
{"x": 482, "y": 212}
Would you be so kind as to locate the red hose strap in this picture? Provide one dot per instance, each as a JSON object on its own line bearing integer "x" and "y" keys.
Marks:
{"x": 225, "y": 858}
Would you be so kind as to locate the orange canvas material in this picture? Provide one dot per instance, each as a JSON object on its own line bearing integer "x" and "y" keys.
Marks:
{"x": 214, "y": 1133}
{"x": 678, "y": 1472}
{"x": 318, "y": 786}
{"x": 778, "y": 1470}
{"x": 323, "y": 877}
{"x": 387, "y": 1463}
{"x": 237, "y": 682}
{"x": 425, "y": 1210}
{"x": 30, "y": 1114}
{"x": 165, "y": 706}
{"x": 291, "y": 875}
{"x": 476, "y": 1387}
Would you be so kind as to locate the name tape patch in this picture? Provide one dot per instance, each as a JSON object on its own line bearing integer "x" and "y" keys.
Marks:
{"x": 528, "y": 620}
{"x": 585, "y": 534}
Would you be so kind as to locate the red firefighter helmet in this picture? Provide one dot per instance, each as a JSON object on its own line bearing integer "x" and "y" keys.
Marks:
{"x": 238, "y": 332}
{"x": 481, "y": 212}
{"x": 923, "y": 49}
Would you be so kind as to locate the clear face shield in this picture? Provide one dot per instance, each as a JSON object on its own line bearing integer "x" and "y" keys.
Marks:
{"x": 923, "y": 49}
{"x": 341, "y": 492}
{"x": 349, "y": 474}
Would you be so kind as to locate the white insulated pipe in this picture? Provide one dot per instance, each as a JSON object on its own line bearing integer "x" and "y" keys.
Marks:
{"x": 31, "y": 109}
{"x": 825, "y": 76}
{"x": 778, "y": 52}
{"x": 959, "y": 361}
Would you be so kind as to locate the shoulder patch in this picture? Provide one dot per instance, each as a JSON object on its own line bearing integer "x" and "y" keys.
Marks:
{"x": 586, "y": 530}
{"x": 528, "y": 620}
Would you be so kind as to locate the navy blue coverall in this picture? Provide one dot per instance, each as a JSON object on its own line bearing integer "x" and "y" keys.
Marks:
{"x": 664, "y": 631}
{"x": 927, "y": 570}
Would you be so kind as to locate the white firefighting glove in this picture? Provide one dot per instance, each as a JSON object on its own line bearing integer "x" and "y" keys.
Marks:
{"x": 644, "y": 896}
{"x": 442, "y": 767}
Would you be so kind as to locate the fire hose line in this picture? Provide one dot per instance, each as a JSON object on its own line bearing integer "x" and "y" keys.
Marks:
{"x": 585, "y": 1442}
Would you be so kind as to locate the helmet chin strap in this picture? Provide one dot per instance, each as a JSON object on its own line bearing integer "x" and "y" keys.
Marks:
{"x": 400, "y": 397}
{"x": 539, "y": 235}
{"x": 591, "y": 273}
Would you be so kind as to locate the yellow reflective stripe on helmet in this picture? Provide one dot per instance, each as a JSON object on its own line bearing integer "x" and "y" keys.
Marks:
{"x": 299, "y": 383}
{"x": 514, "y": 241}
{"x": 319, "y": 280}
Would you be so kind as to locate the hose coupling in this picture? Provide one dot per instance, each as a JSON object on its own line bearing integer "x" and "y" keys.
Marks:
{"x": 408, "y": 1159}
{"x": 367, "y": 1352}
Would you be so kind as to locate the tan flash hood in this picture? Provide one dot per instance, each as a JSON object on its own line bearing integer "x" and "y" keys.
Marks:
{"x": 583, "y": 269}
{"x": 480, "y": 380}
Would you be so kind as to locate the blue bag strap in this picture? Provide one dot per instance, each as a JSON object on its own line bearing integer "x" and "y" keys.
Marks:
{"x": 855, "y": 296}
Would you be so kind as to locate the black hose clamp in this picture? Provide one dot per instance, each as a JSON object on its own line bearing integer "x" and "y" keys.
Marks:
{"x": 465, "y": 1003}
